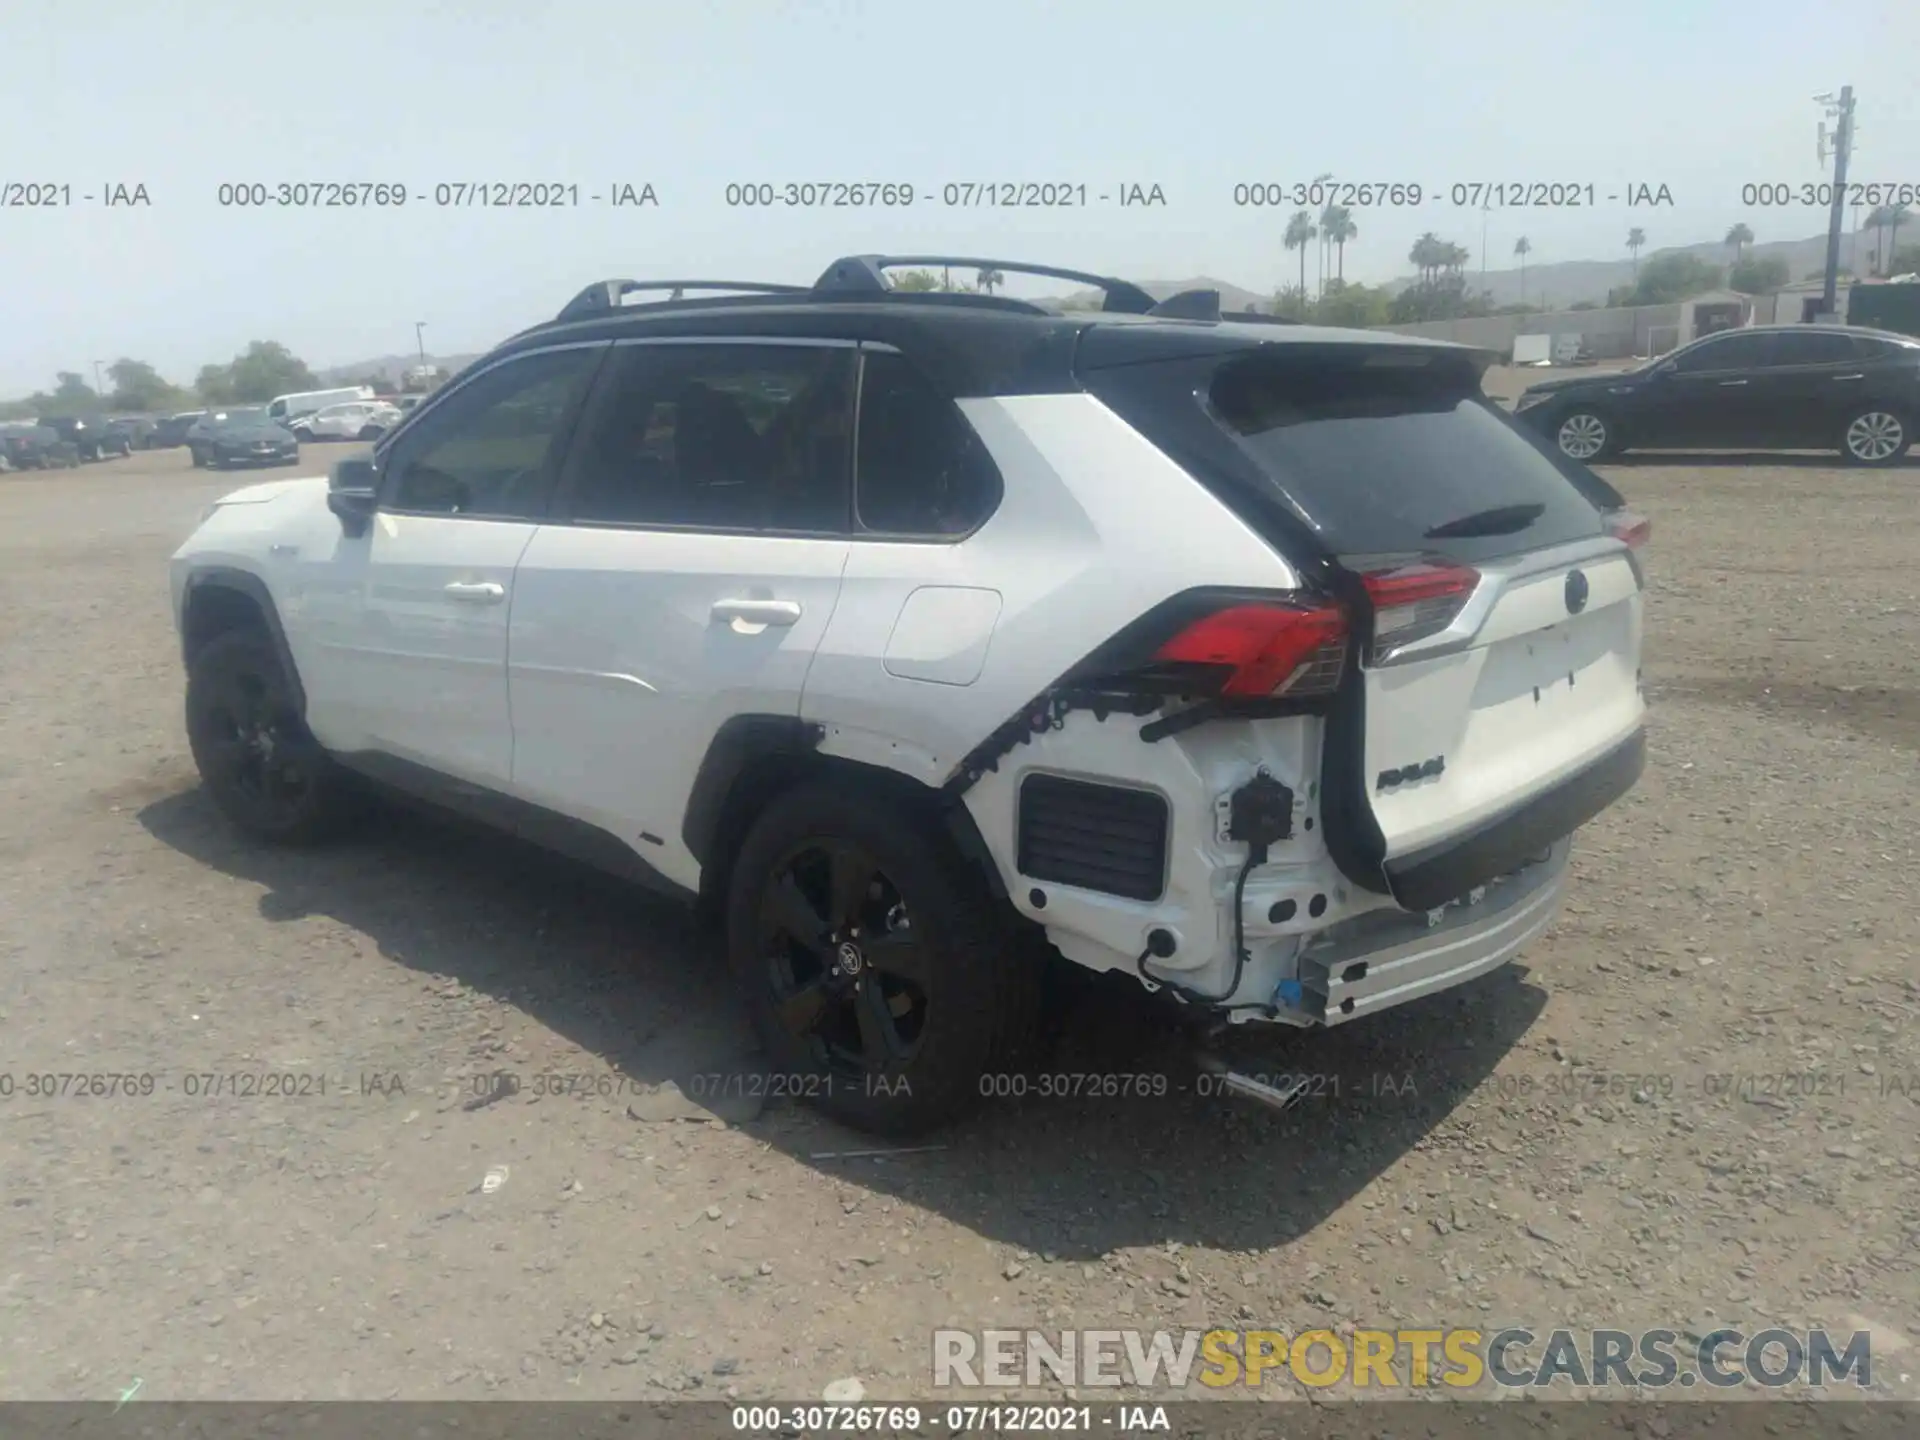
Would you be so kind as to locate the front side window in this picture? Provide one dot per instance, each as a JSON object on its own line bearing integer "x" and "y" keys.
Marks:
{"x": 718, "y": 437}
{"x": 486, "y": 451}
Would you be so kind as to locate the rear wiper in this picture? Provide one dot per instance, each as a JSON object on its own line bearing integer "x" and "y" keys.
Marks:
{"x": 1500, "y": 520}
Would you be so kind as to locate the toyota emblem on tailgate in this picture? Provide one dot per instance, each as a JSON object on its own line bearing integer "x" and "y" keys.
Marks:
{"x": 1577, "y": 591}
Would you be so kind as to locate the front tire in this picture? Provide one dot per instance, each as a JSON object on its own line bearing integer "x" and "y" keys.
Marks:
{"x": 261, "y": 766}
{"x": 880, "y": 972}
{"x": 1586, "y": 435}
{"x": 1875, "y": 436}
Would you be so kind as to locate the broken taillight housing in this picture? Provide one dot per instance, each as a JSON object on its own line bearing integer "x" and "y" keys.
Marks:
{"x": 1630, "y": 526}
{"x": 1265, "y": 648}
{"x": 1413, "y": 602}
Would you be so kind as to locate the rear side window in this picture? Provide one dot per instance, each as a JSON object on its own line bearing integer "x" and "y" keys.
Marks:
{"x": 1816, "y": 347}
{"x": 1392, "y": 453}
{"x": 717, "y": 437}
{"x": 920, "y": 470}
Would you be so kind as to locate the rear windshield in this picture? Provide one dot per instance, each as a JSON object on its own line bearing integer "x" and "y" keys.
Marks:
{"x": 1388, "y": 451}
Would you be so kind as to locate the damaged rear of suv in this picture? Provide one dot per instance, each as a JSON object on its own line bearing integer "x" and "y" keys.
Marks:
{"x": 1351, "y": 765}
{"x": 920, "y": 636}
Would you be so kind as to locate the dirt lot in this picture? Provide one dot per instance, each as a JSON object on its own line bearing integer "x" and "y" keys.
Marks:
{"x": 1693, "y": 1105}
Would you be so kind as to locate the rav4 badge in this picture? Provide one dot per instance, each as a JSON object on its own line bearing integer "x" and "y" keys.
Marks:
{"x": 1425, "y": 770}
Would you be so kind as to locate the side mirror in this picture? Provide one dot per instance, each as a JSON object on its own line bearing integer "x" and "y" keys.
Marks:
{"x": 352, "y": 493}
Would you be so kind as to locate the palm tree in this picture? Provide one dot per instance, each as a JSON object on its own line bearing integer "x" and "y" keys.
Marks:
{"x": 989, "y": 280}
{"x": 1523, "y": 248}
{"x": 1636, "y": 238}
{"x": 1337, "y": 225}
{"x": 1300, "y": 233}
{"x": 1427, "y": 255}
{"x": 1897, "y": 215}
{"x": 1738, "y": 238}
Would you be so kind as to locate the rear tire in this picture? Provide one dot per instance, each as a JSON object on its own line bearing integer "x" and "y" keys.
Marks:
{"x": 370, "y": 432}
{"x": 1874, "y": 436}
{"x": 261, "y": 766}
{"x": 1586, "y": 435}
{"x": 907, "y": 989}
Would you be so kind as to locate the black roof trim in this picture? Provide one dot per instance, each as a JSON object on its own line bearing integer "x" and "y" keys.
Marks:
{"x": 606, "y": 295}
{"x": 865, "y": 275}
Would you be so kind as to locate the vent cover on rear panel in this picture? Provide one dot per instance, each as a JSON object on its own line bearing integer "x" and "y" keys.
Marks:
{"x": 1096, "y": 837}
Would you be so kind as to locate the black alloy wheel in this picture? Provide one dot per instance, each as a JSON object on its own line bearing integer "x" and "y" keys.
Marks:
{"x": 849, "y": 976}
{"x": 262, "y": 767}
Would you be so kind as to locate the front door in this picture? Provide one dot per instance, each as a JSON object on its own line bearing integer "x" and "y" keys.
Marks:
{"x": 411, "y": 657}
{"x": 1709, "y": 398}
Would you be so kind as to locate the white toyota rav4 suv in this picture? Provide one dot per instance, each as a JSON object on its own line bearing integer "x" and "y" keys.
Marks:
{"x": 924, "y": 635}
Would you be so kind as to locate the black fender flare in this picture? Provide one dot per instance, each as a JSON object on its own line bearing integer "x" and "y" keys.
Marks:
{"x": 752, "y": 741}
{"x": 243, "y": 582}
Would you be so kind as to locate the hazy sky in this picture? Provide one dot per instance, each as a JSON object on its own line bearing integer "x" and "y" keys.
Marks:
{"x": 1702, "y": 96}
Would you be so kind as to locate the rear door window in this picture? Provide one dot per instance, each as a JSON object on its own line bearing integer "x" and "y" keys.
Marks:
{"x": 1390, "y": 452}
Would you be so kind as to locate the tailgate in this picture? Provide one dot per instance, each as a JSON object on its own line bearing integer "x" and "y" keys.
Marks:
{"x": 1486, "y": 742}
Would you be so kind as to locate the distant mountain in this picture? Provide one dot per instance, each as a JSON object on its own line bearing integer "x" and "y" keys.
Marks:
{"x": 1569, "y": 282}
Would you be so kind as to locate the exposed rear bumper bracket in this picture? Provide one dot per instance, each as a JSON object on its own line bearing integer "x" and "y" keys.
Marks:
{"x": 1428, "y": 879}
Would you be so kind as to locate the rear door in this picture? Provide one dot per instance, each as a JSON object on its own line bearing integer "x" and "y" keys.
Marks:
{"x": 687, "y": 575}
{"x": 1814, "y": 374}
{"x": 1503, "y": 658}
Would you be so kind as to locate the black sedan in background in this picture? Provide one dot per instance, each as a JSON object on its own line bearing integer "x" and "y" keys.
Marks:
{"x": 36, "y": 447}
{"x": 199, "y": 436}
{"x": 93, "y": 439}
{"x": 136, "y": 430}
{"x": 249, "y": 440}
{"x": 1765, "y": 387}
{"x": 172, "y": 431}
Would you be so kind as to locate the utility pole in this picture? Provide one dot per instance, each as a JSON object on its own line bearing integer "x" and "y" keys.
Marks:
{"x": 1836, "y": 220}
{"x": 96, "y": 379}
{"x": 419, "y": 339}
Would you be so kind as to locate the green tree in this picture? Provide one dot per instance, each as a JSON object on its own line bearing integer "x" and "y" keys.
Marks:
{"x": 1523, "y": 247}
{"x": 1756, "y": 275}
{"x": 138, "y": 386}
{"x": 1636, "y": 240}
{"x": 1673, "y": 277}
{"x": 1300, "y": 233}
{"x": 1337, "y": 225}
{"x": 989, "y": 280}
{"x": 916, "y": 281}
{"x": 1738, "y": 238}
{"x": 71, "y": 395}
{"x": 1893, "y": 218}
{"x": 1353, "y": 306}
{"x": 264, "y": 370}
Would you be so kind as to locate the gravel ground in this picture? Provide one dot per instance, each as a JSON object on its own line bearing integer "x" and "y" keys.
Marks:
{"x": 1694, "y": 1103}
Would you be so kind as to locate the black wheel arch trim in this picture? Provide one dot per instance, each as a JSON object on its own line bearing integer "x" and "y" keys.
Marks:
{"x": 244, "y": 582}
{"x": 744, "y": 743}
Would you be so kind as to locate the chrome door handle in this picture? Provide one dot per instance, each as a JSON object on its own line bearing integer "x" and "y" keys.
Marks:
{"x": 479, "y": 592}
{"x": 1732, "y": 382}
{"x": 1849, "y": 377}
{"x": 757, "y": 612}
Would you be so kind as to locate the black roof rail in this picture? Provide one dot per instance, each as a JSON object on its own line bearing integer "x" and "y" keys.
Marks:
{"x": 607, "y": 294}
{"x": 865, "y": 275}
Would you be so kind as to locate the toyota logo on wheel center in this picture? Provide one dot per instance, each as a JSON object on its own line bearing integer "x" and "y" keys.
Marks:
{"x": 849, "y": 957}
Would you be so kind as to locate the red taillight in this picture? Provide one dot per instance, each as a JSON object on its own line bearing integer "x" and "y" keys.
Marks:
{"x": 1267, "y": 649}
{"x": 1628, "y": 525}
{"x": 1415, "y": 601}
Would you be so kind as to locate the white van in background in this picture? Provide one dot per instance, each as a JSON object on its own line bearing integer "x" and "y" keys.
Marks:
{"x": 285, "y": 409}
